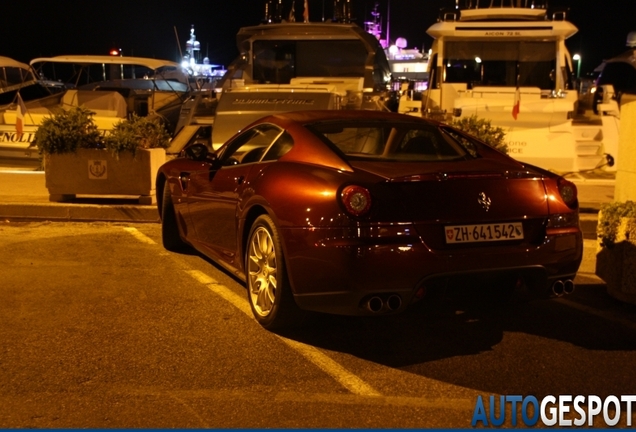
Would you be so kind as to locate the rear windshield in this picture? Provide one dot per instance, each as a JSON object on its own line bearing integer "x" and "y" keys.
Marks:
{"x": 408, "y": 142}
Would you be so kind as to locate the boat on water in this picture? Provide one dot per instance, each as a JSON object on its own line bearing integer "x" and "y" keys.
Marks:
{"x": 112, "y": 87}
{"x": 507, "y": 61}
{"x": 17, "y": 78}
{"x": 408, "y": 65}
{"x": 287, "y": 65}
{"x": 20, "y": 77}
{"x": 203, "y": 74}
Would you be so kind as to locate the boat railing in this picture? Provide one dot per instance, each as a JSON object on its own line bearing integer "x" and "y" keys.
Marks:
{"x": 502, "y": 9}
{"x": 487, "y": 4}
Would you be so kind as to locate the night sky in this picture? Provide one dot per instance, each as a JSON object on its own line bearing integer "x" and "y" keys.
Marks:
{"x": 145, "y": 28}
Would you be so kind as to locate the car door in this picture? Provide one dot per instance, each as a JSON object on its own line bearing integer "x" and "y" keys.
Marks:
{"x": 213, "y": 196}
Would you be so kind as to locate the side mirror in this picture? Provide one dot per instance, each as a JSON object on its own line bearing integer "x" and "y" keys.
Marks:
{"x": 197, "y": 152}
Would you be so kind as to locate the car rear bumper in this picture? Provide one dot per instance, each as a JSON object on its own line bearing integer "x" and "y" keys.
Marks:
{"x": 339, "y": 271}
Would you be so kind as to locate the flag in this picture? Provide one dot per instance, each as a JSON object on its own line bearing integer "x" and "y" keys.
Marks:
{"x": 306, "y": 12}
{"x": 292, "y": 14}
{"x": 20, "y": 112}
{"x": 515, "y": 106}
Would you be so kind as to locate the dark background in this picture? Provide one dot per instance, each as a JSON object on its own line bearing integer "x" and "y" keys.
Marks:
{"x": 146, "y": 28}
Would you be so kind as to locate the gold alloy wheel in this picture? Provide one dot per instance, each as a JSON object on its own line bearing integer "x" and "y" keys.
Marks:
{"x": 262, "y": 271}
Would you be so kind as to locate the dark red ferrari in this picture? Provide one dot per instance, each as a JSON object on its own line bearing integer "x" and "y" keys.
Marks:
{"x": 361, "y": 212}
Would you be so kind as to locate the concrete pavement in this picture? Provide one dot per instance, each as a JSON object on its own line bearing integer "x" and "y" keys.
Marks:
{"x": 23, "y": 196}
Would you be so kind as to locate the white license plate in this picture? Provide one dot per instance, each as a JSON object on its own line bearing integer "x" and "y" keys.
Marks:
{"x": 484, "y": 232}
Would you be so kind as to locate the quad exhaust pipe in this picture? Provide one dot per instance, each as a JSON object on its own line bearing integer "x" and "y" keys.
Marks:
{"x": 561, "y": 287}
{"x": 376, "y": 304}
{"x": 394, "y": 302}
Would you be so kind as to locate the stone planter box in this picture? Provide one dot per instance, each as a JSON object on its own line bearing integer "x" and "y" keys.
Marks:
{"x": 616, "y": 265}
{"x": 98, "y": 172}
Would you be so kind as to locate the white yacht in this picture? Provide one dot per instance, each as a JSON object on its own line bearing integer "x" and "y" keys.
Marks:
{"x": 17, "y": 78}
{"x": 507, "y": 61}
{"x": 409, "y": 65}
{"x": 286, "y": 65}
{"x": 112, "y": 87}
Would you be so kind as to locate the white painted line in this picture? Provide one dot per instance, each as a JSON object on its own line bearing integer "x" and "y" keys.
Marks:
{"x": 214, "y": 286}
{"x": 347, "y": 379}
{"x": 140, "y": 236}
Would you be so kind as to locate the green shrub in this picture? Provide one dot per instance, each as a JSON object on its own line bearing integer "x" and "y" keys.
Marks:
{"x": 610, "y": 219}
{"x": 66, "y": 131}
{"x": 483, "y": 130}
{"x": 135, "y": 133}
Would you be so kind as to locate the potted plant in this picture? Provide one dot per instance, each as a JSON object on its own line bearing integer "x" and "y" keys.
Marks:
{"x": 81, "y": 160}
{"x": 616, "y": 249}
{"x": 483, "y": 130}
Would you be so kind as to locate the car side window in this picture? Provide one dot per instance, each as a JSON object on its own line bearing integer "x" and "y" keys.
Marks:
{"x": 283, "y": 144}
{"x": 250, "y": 146}
{"x": 467, "y": 144}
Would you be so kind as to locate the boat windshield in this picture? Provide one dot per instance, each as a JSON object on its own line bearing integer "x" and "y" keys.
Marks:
{"x": 398, "y": 142}
{"x": 87, "y": 74}
{"x": 10, "y": 76}
{"x": 278, "y": 61}
{"x": 501, "y": 63}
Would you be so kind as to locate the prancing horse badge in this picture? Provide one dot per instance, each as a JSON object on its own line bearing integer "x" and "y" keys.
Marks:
{"x": 484, "y": 201}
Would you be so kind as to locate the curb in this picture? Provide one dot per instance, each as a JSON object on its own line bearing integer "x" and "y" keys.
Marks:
{"x": 79, "y": 212}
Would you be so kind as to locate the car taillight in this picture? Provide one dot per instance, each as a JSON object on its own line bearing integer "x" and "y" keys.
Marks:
{"x": 356, "y": 200}
{"x": 568, "y": 192}
{"x": 563, "y": 220}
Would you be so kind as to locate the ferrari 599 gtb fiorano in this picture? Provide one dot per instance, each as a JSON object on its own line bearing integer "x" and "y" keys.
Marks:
{"x": 361, "y": 212}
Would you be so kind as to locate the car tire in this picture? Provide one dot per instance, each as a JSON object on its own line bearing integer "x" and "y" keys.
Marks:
{"x": 170, "y": 236}
{"x": 268, "y": 289}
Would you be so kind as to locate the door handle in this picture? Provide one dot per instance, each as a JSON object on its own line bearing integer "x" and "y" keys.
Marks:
{"x": 239, "y": 179}
{"x": 185, "y": 180}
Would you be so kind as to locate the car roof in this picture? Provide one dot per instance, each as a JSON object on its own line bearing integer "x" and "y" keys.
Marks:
{"x": 312, "y": 151}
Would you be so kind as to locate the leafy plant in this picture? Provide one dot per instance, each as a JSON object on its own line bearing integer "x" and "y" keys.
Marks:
{"x": 66, "y": 131}
{"x": 135, "y": 133}
{"x": 483, "y": 130}
{"x": 610, "y": 219}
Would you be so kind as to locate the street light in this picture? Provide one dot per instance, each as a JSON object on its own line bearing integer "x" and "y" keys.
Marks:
{"x": 577, "y": 58}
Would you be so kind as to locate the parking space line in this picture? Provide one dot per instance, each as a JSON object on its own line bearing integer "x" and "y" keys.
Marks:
{"x": 347, "y": 379}
{"x": 140, "y": 236}
{"x": 350, "y": 381}
{"x": 221, "y": 290}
